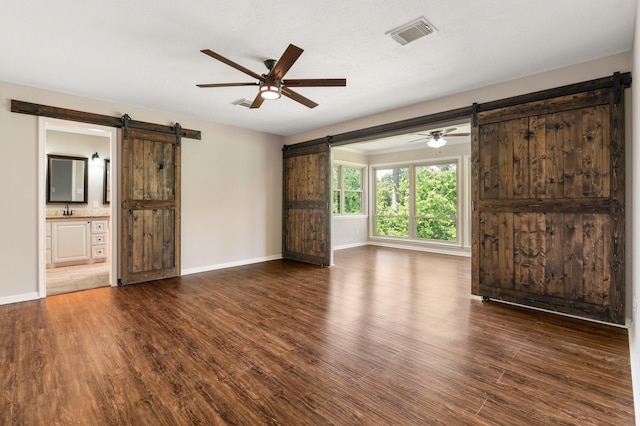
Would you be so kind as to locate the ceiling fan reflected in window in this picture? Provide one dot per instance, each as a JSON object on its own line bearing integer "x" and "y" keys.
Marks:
{"x": 436, "y": 138}
{"x": 272, "y": 85}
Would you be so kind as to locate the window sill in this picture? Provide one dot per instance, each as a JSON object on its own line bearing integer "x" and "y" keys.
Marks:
{"x": 349, "y": 216}
{"x": 421, "y": 242}
{"x": 440, "y": 247}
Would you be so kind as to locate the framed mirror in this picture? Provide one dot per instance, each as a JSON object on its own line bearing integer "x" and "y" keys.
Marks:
{"x": 67, "y": 179}
{"x": 106, "y": 192}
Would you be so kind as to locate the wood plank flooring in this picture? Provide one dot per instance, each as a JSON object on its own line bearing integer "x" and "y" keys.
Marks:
{"x": 383, "y": 337}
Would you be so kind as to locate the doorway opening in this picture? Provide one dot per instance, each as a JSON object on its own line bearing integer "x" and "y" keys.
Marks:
{"x": 77, "y": 236}
{"x": 408, "y": 190}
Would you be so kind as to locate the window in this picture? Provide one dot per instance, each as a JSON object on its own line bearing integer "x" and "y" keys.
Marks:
{"x": 347, "y": 190}
{"x": 418, "y": 202}
{"x": 436, "y": 202}
{"x": 392, "y": 202}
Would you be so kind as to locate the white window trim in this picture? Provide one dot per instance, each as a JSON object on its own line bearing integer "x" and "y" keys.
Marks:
{"x": 363, "y": 189}
{"x": 463, "y": 217}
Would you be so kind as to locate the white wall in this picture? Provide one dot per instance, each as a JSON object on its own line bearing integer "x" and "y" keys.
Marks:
{"x": 231, "y": 189}
{"x": 350, "y": 230}
{"x": 633, "y": 234}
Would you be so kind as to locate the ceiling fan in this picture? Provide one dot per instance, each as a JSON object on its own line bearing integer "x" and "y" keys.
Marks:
{"x": 435, "y": 138}
{"x": 272, "y": 85}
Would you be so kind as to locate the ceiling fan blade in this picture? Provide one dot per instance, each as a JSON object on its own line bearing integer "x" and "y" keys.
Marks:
{"x": 315, "y": 82}
{"x": 288, "y": 58}
{"x": 257, "y": 102}
{"x": 456, "y": 134}
{"x": 419, "y": 140}
{"x": 229, "y": 62}
{"x": 226, "y": 85}
{"x": 298, "y": 98}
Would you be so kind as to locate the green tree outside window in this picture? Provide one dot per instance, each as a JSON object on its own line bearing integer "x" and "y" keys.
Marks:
{"x": 347, "y": 190}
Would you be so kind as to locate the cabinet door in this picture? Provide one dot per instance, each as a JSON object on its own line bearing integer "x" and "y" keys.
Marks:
{"x": 71, "y": 241}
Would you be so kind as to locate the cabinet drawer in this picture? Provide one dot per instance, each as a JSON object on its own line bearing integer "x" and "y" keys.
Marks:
{"x": 47, "y": 229}
{"x": 100, "y": 239}
{"x": 99, "y": 226}
{"x": 98, "y": 252}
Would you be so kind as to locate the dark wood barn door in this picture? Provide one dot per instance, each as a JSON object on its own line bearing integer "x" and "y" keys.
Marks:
{"x": 549, "y": 205}
{"x": 150, "y": 206}
{"x": 306, "y": 233}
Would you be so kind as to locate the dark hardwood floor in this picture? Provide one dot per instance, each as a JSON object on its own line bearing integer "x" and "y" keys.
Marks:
{"x": 383, "y": 337}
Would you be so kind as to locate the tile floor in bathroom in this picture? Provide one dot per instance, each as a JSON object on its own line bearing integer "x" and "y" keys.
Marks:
{"x": 79, "y": 277}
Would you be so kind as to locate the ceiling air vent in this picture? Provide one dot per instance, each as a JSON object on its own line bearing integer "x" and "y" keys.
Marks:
{"x": 412, "y": 31}
{"x": 242, "y": 102}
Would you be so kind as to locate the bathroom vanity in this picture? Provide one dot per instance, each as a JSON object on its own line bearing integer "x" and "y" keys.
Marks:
{"x": 76, "y": 240}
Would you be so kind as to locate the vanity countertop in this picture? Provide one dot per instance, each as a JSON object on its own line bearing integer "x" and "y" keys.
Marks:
{"x": 78, "y": 216}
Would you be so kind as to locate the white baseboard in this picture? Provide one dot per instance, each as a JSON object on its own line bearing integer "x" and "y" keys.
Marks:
{"x": 430, "y": 249}
{"x": 19, "y": 298}
{"x": 207, "y": 268}
{"x": 347, "y": 246}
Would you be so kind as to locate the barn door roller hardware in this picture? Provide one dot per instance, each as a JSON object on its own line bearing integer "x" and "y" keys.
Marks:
{"x": 617, "y": 88}
{"x": 177, "y": 128}
{"x": 126, "y": 121}
{"x": 474, "y": 114}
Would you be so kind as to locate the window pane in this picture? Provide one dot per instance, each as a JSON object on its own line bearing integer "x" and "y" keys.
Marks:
{"x": 392, "y": 226}
{"x": 352, "y": 178}
{"x": 335, "y": 177}
{"x": 392, "y": 192}
{"x": 436, "y": 229}
{"x": 352, "y": 202}
{"x": 336, "y": 202}
{"x": 436, "y": 191}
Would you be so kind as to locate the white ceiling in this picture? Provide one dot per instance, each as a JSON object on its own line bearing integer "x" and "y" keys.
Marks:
{"x": 147, "y": 52}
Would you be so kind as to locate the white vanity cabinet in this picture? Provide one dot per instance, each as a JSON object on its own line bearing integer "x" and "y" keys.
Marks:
{"x": 76, "y": 241}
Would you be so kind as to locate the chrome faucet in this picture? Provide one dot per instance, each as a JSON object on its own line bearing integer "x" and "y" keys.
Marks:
{"x": 66, "y": 211}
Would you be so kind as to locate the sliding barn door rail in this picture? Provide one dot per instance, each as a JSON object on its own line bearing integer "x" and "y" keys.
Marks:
{"x": 125, "y": 121}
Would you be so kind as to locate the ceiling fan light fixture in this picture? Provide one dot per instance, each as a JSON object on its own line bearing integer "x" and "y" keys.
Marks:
{"x": 436, "y": 142}
{"x": 271, "y": 89}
